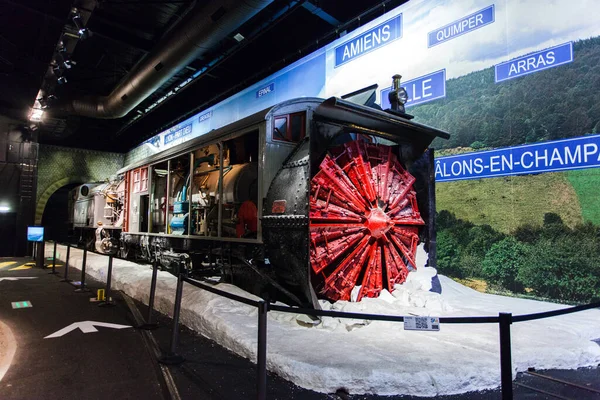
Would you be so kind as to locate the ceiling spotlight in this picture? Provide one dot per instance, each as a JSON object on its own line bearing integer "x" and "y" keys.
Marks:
{"x": 43, "y": 102}
{"x": 4, "y": 209}
{"x": 61, "y": 80}
{"x": 36, "y": 114}
{"x": 77, "y": 20}
{"x": 239, "y": 37}
{"x": 84, "y": 32}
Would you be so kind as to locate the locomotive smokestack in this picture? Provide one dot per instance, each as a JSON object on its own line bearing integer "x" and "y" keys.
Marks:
{"x": 398, "y": 97}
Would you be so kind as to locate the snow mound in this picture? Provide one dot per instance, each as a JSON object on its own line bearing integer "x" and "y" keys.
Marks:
{"x": 374, "y": 356}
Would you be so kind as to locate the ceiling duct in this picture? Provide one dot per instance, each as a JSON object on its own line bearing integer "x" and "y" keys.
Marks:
{"x": 200, "y": 31}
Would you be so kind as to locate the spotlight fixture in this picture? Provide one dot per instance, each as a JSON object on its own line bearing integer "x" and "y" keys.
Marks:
{"x": 36, "y": 114}
{"x": 4, "y": 209}
{"x": 61, "y": 80}
{"x": 83, "y": 32}
{"x": 43, "y": 102}
{"x": 68, "y": 64}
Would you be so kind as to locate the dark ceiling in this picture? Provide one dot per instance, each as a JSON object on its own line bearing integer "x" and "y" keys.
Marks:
{"x": 124, "y": 32}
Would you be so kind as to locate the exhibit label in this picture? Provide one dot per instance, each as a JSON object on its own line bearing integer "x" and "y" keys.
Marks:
{"x": 559, "y": 155}
{"x": 372, "y": 39}
{"x": 534, "y": 62}
{"x": 460, "y": 27}
{"x": 420, "y": 90}
{"x": 421, "y": 323}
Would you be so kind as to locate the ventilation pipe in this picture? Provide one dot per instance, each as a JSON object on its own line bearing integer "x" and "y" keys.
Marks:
{"x": 200, "y": 31}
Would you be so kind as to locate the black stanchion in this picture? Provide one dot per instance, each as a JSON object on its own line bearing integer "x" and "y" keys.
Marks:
{"x": 172, "y": 357}
{"x": 107, "y": 300}
{"x": 66, "y": 278}
{"x": 505, "y": 356}
{"x": 54, "y": 260}
{"x": 40, "y": 259}
{"x": 261, "y": 355}
{"x": 150, "y": 324}
{"x": 82, "y": 288}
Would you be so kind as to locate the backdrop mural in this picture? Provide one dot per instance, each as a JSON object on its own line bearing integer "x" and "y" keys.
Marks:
{"x": 518, "y": 89}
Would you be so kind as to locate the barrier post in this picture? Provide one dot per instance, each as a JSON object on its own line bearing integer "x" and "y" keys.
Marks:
{"x": 53, "y": 260}
{"x": 172, "y": 357}
{"x": 261, "y": 355}
{"x": 149, "y": 321}
{"x": 107, "y": 300}
{"x": 40, "y": 256}
{"x": 505, "y": 356}
{"x": 66, "y": 278}
{"x": 82, "y": 288}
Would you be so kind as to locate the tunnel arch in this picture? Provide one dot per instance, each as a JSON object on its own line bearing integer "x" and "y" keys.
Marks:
{"x": 45, "y": 196}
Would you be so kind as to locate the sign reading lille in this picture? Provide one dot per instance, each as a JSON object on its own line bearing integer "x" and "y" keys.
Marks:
{"x": 558, "y": 155}
{"x": 534, "y": 62}
{"x": 459, "y": 27}
{"x": 372, "y": 39}
{"x": 420, "y": 90}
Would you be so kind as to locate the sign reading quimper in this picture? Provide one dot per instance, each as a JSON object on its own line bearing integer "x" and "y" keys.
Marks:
{"x": 559, "y": 155}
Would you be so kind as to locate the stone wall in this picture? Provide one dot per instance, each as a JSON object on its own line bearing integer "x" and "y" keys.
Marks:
{"x": 60, "y": 166}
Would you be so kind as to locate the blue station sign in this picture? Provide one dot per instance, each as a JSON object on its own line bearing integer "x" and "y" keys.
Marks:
{"x": 372, "y": 39}
{"x": 549, "y": 58}
{"x": 205, "y": 116}
{"x": 177, "y": 134}
{"x": 459, "y": 27}
{"x": 559, "y": 155}
{"x": 265, "y": 90}
{"x": 420, "y": 90}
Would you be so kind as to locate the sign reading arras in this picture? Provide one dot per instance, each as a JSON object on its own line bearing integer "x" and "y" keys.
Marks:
{"x": 534, "y": 62}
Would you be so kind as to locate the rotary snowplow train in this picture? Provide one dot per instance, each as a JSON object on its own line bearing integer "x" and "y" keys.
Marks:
{"x": 307, "y": 199}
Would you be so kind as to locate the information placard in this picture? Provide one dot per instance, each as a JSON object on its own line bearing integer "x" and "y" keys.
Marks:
{"x": 422, "y": 323}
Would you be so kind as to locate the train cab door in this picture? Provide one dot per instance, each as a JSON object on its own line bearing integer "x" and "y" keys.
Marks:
{"x": 143, "y": 217}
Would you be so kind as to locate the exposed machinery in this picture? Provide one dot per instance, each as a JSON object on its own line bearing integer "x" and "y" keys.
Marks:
{"x": 307, "y": 199}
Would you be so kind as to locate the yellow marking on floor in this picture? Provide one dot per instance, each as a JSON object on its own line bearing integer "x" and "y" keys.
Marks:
{"x": 20, "y": 267}
{"x": 6, "y": 264}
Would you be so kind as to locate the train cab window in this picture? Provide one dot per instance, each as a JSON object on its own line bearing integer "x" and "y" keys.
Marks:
{"x": 158, "y": 199}
{"x": 234, "y": 164}
{"x": 178, "y": 196}
{"x": 204, "y": 191}
{"x": 140, "y": 180}
{"x": 290, "y": 128}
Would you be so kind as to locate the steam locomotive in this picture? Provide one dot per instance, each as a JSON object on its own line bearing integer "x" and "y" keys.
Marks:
{"x": 304, "y": 200}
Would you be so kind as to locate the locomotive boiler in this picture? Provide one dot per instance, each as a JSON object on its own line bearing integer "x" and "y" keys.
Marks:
{"x": 304, "y": 200}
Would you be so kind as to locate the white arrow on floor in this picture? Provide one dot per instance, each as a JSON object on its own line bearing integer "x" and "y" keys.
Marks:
{"x": 86, "y": 327}
{"x": 16, "y": 278}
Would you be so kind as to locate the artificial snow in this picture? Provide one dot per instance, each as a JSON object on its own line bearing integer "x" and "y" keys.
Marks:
{"x": 372, "y": 356}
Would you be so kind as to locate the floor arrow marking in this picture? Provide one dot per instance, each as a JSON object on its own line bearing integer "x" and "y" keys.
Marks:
{"x": 6, "y": 264}
{"x": 17, "y": 278}
{"x": 85, "y": 327}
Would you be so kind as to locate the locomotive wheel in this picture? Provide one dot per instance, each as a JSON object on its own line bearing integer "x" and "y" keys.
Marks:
{"x": 364, "y": 221}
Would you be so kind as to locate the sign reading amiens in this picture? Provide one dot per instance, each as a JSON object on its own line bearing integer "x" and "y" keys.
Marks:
{"x": 372, "y": 39}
